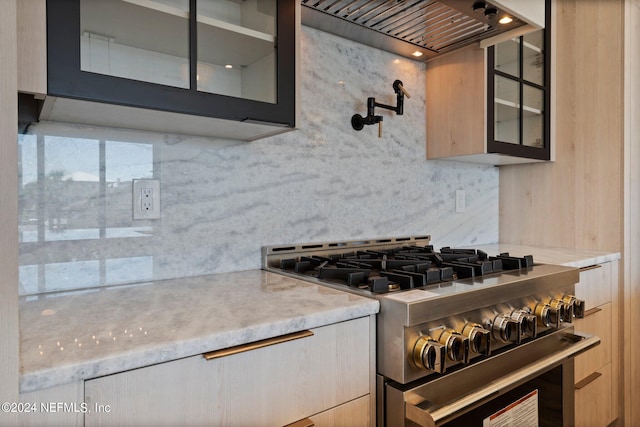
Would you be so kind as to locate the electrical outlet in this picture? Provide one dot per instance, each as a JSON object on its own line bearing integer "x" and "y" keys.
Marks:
{"x": 460, "y": 201}
{"x": 146, "y": 199}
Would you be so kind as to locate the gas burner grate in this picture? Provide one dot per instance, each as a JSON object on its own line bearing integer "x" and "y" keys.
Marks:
{"x": 405, "y": 267}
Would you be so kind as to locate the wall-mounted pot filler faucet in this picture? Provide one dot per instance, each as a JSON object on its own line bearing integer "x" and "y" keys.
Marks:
{"x": 358, "y": 122}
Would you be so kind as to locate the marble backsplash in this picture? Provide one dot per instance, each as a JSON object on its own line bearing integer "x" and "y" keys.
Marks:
{"x": 222, "y": 200}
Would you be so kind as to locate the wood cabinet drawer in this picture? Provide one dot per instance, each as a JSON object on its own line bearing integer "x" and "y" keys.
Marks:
{"x": 595, "y": 285}
{"x": 351, "y": 414}
{"x": 598, "y": 323}
{"x": 274, "y": 385}
{"x": 59, "y": 406}
{"x": 594, "y": 402}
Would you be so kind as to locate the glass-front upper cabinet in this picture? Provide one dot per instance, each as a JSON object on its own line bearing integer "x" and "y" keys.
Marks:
{"x": 518, "y": 111}
{"x": 228, "y": 59}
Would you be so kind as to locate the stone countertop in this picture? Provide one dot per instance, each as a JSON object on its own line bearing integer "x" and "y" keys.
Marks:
{"x": 569, "y": 257}
{"x": 82, "y": 335}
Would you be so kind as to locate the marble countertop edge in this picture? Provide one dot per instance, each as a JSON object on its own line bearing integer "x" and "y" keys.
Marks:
{"x": 548, "y": 255}
{"x": 179, "y": 349}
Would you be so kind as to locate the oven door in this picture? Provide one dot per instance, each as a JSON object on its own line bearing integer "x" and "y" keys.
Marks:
{"x": 529, "y": 385}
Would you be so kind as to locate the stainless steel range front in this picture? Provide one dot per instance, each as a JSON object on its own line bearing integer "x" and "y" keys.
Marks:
{"x": 463, "y": 337}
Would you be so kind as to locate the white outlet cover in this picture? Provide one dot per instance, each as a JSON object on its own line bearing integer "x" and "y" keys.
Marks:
{"x": 140, "y": 185}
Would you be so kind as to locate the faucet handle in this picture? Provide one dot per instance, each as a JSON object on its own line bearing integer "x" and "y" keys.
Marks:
{"x": 404, "y": 91}
{"x": 380, "y": 128}
{"x": 398, "y": 86}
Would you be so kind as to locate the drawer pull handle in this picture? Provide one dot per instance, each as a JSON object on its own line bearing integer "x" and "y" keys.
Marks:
{"x": 257, "y": 344}
{"x": 591, "y": 311}
{"x": 585, "y": 382}
{"x": 307, "y": 422}
{"x": 590, "y": 267}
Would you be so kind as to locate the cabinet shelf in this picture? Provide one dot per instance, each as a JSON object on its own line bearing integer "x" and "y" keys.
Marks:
{"x": 243, "y": 46}
{"x": 530, "y": 50}
{"x": 532, "y": 47}
{"x": 513, "y": 106}
{"x": 211, "y": 21}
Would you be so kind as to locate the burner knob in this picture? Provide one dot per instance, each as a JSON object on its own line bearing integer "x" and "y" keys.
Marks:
{"x": 577, "y": 304}
{"x": 563, "y": 310}
{"x": 429, "y": 354}
{"x": 546, "y": 316}
{"x": 456, "y": 344}
{"x": 479, "y": 338}
{"x": 526, "y": 323}
{"x": 505, "y": 329}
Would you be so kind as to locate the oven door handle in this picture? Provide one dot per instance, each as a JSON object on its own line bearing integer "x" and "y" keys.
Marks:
{"x": 439, "y": 415}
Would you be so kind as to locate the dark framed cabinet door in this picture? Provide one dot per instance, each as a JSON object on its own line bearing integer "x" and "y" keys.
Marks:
{"x": 518, "y": 95}
{"x": 224, "y": 59}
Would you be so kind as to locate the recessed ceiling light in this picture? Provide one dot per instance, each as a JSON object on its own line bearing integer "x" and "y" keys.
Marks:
{"x": 417, "y": 54}
{"x": 505, "y": 20}
{"x": 228, "y": 66}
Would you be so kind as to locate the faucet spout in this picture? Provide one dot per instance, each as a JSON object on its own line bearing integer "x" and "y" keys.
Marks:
{"x": 358, "y": 122}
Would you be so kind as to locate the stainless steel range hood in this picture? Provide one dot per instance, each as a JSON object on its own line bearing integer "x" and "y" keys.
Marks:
{"x": 406, "y": 26}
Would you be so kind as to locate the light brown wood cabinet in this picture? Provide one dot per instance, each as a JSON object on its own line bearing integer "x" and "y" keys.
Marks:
{"x": 325, "y": 377}
{"x": 457, "y": 112}
{"x": 491, "y": 105}
{"x": 31, "y": 18}
{"x": 596, "y": 371}
{"x": 60, "y": 406}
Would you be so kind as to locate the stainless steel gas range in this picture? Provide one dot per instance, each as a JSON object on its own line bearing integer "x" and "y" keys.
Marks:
{"x": 463, "y": 337}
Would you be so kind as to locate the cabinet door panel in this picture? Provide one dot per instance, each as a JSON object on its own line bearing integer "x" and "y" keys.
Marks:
{"x": 245, "y": 65}
{"x": 595, "y": 285}
{"x": 533, "y": 117}
{"x": 351, "y": 414}
{"x": 507, "y": 110}
{"x": 274, "y": 385}
{"x": 598, "y": 324}
{"x": 146, "y": 41}
{"x": 507, "y": 59}
{"x": 32, "y": 46}
{"x": 594, "y": 403}
{"x": 60, "y": 406}
{"x": 533, "y": 57}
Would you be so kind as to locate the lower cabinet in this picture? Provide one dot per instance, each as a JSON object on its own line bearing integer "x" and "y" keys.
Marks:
{"x": 325, "y": 377}
{"x": 350, "y": 414}
{"x": 60, "y": 406}
{"x": 597, "y": 370}
{"x": 595, "y": 404}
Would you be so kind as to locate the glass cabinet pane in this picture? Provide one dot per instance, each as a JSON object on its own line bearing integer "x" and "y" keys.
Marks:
{"x": 507, "y": 56}
{"x": 146, "y": 40}
{"x": 519, "y": 95}
{"x": 533, "y": 117}
{"x": 507, "y": 110}
{"x": 533, "y": 57}
{"x": 237, "y": 48}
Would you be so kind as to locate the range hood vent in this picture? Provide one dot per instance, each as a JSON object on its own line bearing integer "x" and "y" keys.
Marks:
{"x": 406, "y": 26}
